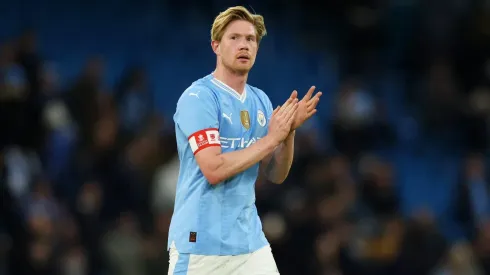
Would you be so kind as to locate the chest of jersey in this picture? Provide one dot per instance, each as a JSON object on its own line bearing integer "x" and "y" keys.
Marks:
{"x": 241, "y": 122}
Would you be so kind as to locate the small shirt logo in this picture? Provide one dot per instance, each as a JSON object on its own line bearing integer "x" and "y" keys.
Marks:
{"x": 192, "y": 237}
{"x": 195, "y": 94}
{"x": 228, "y": 117}
{"x": 245, "y": 118}
{"x": 261, "y": 118}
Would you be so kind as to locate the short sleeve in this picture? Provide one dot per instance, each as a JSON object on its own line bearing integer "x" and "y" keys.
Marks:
{"x": 197, "y": 117}
{"x": 269, "y": 108}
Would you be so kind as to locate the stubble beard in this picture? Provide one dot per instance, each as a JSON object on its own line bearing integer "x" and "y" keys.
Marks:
{"x": 236, "y": 70}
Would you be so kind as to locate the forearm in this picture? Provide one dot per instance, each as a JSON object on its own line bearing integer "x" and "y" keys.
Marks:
{"x": 279, "y": 163}
{"x": 227, "y": 165}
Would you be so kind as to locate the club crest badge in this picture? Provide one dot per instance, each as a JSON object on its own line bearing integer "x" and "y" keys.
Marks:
{"x": 261, "y": 118}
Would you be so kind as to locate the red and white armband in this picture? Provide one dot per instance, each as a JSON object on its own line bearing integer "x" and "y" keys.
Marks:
{"x": 204, "y": 139}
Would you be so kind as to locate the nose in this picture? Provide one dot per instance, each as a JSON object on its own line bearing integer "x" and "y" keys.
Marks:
{"x": 243, "y": 46}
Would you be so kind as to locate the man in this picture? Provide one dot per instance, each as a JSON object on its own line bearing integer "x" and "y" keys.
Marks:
{"x": 226, "y": 132}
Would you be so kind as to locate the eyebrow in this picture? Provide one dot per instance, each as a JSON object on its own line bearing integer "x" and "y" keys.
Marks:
{"x": 242, "y": 34}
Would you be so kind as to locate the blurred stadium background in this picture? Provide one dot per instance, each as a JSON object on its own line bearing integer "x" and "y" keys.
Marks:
{"x": 389, "y": 178}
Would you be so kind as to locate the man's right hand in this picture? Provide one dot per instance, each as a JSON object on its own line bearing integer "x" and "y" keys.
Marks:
{"x": 282, "y": 119}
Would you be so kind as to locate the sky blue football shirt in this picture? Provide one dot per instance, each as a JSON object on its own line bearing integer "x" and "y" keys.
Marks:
{"x": 217, "y": 219}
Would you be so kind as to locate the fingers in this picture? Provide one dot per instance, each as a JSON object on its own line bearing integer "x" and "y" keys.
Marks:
{"x": 311, "y": 105}
{"x": 276, "y": 110}
{"x": 318, "y": 95}
{"x": 311, "y": 101}
{"x": 291, "y": 112}
{"x": 312, "y": 113}
{"x": 309, "y": 93}
{"x": 287, "y": 106}
{"x": 294, "y": 94}
{"x": 290, "y": 119}
{"x": 292, "y": 97}
{"x": 293, "y": 104}
{"x": 288, "y": 110}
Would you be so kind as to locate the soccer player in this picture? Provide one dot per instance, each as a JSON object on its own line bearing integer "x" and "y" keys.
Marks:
{"x": 227, "y": 132}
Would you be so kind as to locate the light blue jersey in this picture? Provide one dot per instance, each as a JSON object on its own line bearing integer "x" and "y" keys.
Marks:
{"x": 217, "y": 219}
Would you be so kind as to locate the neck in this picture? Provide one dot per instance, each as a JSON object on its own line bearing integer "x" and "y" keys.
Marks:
{"x": 234, "y": 80}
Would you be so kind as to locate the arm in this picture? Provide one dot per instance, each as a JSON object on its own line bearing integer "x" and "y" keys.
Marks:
{"x": 277, "y": 165}
{"x": 217, "y": 166}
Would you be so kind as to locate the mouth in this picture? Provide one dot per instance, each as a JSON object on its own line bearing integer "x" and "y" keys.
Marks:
{"x": 243, "y": 57}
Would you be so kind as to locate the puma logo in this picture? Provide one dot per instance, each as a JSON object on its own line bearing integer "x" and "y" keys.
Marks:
{"x": 195, "y": 94}
{"x": 228, "y": 117}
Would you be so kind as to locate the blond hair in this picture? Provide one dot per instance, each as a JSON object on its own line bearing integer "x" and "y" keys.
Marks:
{"x": 237, "y": 13}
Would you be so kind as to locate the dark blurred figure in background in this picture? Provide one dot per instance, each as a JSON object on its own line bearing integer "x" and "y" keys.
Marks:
{"x": 355, "y": 118}
{"x": 13, "y": 95}
{"x": 31, "y": 62}
{"x": 134, "y": 103}
{"x": 473, "y": 206}
{"x": 86, "y": 101}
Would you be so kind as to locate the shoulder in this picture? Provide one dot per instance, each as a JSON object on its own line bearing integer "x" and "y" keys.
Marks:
{"x": 198, "y": 93}
{"x": 260, "y": 94}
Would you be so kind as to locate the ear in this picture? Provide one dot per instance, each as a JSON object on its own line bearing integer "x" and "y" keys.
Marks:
{"x": 215, "y": 46}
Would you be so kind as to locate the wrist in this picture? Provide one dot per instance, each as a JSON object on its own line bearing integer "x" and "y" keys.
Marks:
{"x": 290, "y": 136}
{"x": 271, "y": 142}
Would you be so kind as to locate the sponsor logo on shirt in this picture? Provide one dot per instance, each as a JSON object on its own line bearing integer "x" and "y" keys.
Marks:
{"x": 237, "y": 143}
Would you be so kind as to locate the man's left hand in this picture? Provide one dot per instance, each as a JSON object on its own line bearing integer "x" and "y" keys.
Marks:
{"x": 306, "y": 108}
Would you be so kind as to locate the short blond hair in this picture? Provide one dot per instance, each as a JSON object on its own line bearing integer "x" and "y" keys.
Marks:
{"x": 237, "y": 13}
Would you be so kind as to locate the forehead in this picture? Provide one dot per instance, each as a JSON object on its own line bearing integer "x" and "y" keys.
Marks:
{"x": 240, "y": 27}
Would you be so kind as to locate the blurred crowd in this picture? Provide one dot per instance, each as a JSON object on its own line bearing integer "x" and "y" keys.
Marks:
{"x": 88, "y": 172}
{"x": 77, "y": 169}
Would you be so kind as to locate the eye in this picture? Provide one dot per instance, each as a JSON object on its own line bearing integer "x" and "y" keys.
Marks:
{"x": 233, "y": 37}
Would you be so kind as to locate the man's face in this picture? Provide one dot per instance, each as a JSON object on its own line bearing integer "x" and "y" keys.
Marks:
{"x": 238, "y": 47}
